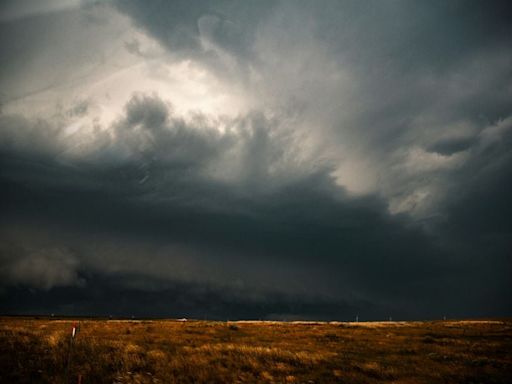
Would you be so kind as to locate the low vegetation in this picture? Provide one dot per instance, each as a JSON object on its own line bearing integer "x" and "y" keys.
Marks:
{"x": 165, "y": 351}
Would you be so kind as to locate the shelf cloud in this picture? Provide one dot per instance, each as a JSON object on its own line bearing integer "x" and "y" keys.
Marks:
{"x": 274, "y": 159}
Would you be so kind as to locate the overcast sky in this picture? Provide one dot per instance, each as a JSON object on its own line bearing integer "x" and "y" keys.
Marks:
{"x": 256, "y": 159}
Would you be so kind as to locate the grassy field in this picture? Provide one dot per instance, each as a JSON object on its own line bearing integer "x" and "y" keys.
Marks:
{"x": 160, "y": 351}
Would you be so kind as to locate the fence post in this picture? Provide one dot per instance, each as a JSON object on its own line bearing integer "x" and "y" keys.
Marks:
{"x": 74, "y": 331}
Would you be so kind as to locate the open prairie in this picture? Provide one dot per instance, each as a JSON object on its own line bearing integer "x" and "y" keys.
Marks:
{"x": 164, "y": 351}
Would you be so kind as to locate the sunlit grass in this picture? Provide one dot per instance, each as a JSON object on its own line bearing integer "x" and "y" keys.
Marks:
{"x": 37, "y": 351}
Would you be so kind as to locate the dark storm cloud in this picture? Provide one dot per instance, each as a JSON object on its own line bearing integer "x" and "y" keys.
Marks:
{"x": 437, "y": 31}
{"x": 148, "y": 187}
{"x": 238, "y": 216}
{"x": 176, "y": 301}
{"x": 451, "y": 145}
{"x": 480, "y": 205}
{"x": 179, "y": 24}
{"x": 158, "y": 193}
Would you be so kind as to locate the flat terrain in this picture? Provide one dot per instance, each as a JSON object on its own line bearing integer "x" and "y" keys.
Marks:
{"x": 165, "y": 351}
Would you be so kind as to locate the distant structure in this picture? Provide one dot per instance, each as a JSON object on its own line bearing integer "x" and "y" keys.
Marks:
{"x": 357, "y": 318}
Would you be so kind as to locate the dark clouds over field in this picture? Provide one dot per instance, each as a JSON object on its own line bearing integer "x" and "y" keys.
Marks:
{"x": 256, "y": 160}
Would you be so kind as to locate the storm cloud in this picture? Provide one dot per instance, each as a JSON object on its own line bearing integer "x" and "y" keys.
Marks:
{"x": 267, "y": 160}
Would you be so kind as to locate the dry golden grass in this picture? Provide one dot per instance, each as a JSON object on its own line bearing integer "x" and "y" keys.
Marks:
{"x": 36, "y": 351}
